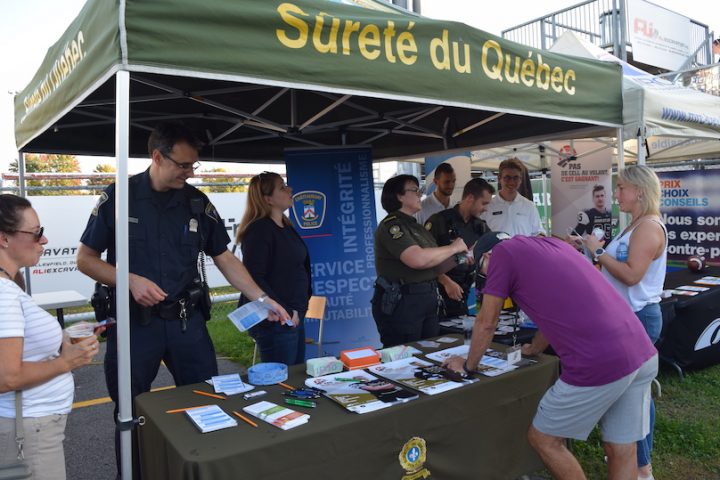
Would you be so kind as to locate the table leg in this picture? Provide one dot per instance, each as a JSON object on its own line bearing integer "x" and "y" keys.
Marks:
{"x": 60, "y": 317}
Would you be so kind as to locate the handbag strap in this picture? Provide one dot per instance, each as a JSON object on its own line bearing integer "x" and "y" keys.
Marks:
{"x": 19, "y": 430}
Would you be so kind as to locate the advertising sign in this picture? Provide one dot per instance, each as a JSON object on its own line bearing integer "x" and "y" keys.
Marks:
{"x": 658, "y": 36}
{"x": 690, "y": 207}
{"x": 334, "y": 212}
{"x": 581, "y": 190}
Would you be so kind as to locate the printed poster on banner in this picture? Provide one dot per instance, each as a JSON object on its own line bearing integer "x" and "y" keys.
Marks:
{"x": 581, "y": 189}
{"x": 334, "y": 212}
{"x": 690, "y": 207}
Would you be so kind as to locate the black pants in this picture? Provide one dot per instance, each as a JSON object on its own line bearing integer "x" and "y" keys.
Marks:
{"x": 453, "y": 308}
{"x": 414, "y": 318}
{"x": 189, "y": 355}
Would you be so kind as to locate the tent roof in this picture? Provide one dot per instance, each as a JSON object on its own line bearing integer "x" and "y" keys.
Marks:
{"x": 259, "y": 77}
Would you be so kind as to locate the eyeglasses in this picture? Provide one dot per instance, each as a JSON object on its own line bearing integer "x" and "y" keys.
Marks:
{"x": 508, "y": 178}
{"x": 38, "y": 235}
{"x": 183, "y": 166}
{"x": 413, "y": 190}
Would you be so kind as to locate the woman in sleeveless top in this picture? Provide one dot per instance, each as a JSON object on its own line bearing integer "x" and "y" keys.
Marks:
{"x": 634, "y": 262}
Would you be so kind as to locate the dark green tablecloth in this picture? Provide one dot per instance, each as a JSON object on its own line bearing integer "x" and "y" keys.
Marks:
{"x": 474, "y": 432}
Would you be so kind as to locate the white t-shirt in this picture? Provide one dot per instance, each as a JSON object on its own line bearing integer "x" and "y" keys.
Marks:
{"x": 430, "y": 206}
{"x": 519, "y": 217}
{"x": 42, "y": 338}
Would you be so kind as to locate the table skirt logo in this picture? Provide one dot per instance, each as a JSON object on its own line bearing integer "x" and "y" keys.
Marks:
{"x": 710, "y": 336}
{"x": 412, "y": 459}
{"x": 309, "y": 209}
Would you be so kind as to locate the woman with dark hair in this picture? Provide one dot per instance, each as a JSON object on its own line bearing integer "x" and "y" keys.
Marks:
{"x": 35, "y": 357}
{"x": 406, "y": 300}
{"x": 278, "y": 261}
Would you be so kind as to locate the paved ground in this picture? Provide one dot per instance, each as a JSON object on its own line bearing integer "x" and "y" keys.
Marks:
{"x": 89, "y": 437}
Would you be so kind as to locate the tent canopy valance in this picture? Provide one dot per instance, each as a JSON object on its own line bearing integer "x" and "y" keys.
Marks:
{"x": 260, "y": 77}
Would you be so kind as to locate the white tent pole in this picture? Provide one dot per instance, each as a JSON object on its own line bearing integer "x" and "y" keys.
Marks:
{"x": 122, "y": 147}
{"x": 640, "y": 147}
{"x": 23, "y": 193}
{"x": 622, "y": 221}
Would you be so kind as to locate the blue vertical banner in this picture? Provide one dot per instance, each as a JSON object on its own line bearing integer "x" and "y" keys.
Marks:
{"x": 334, "y": 212}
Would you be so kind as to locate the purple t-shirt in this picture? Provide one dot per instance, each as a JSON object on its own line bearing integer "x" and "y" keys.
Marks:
{"x": 588, "y": 323}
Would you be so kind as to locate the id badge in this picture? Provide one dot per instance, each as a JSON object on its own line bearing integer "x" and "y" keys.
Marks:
{"x": 514, "y": 354}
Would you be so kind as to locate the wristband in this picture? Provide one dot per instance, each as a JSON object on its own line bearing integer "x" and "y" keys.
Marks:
{"x": 467, "y": 370}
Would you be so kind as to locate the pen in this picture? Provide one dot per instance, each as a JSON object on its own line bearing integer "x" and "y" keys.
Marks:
{"x": 178, "y": 410}
{"x": 245, "y": 419}
{"x": 200, "y": 392}
{"x": 285, "y": 385}
{"x": 302, "y": 403}
{"x": 341, "y": 379}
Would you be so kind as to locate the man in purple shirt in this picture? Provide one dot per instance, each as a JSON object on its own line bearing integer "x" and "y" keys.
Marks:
{"x": 607, "y": 359}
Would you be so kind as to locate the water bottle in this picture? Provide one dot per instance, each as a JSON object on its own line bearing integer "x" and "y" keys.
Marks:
{"x": 621, "y": 254}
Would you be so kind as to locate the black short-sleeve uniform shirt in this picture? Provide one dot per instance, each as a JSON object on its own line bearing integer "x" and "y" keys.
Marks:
{"x": 394, "y": 235}
{"x": 165, "y": 231}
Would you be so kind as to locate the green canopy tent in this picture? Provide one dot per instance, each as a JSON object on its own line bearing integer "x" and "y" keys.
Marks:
{"x": 259, "y": 77}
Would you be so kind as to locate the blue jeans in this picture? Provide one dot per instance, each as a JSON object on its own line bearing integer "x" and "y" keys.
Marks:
{"x": 280, "y": 343}
{"x": 651, "y": 318}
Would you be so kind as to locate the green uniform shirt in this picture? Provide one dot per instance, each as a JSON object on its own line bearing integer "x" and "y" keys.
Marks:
{"x": 393, "y": 236}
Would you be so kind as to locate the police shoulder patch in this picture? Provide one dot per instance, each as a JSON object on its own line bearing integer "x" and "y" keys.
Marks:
{"x": 211, "y": 212}
{"x": 428, "y": 226}
{"x": 396, "y": 232}
{"x": 103, "y": 198}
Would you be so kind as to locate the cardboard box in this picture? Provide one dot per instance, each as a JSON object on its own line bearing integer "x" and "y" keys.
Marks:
{"x": 358, "y": 358}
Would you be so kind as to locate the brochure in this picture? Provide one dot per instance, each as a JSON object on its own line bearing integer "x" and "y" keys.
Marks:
{"x": 210, "y": 418}
{"x": 492, "y": 363}
{"x": 249, "y": 315}
{"x": 419, "y": 375}
{"x": 277, "y": 415}
{"x": 230, "y": 384}
{"x": 686, "y": 293}
{"x": 709, "y": 280}
{"x": 693, "y": 288}
{"x": 359, "y": 391}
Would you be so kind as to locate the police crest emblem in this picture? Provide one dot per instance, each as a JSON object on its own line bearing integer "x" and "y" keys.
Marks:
{"x": 309, "y": 209}
{"x": 396, "y": 232}
{"x": 412, "y": 459}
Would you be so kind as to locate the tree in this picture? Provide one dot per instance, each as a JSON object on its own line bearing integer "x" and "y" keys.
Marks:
{"x": 103, "y": 168}
{"x": 44, "y": 163}
{"x": 235, "y": 188}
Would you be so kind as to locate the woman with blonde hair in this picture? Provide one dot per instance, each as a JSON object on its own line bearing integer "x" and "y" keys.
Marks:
{"x": 278, "y": 261}
{"x": 634, "y": 262}
{"x": 35, "y": 358}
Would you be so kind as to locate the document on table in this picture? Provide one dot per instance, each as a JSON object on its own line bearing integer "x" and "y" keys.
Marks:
{"x": 210, "y": 418}
{"x": 709, "y": 280}
{"x": 693, "y": 288}
{"x": 230, "y": 384}
{"x": 404, "y": 372}
{"x": 490, "y": 365}
{"x": 359, "y": 391}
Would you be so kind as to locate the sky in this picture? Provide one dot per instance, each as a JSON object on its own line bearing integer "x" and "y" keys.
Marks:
{"x": 29, "y": 27}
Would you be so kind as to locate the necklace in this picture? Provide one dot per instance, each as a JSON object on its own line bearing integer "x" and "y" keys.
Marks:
{"x": 2, "y": 270}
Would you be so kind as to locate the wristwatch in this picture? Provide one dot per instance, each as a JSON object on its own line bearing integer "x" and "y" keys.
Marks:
{"x": 599, "y": 253}
{"x": 262, "y": 298}
{"x": 467, "y": 371}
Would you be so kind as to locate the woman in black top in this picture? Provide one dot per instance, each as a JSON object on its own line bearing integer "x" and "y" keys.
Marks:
{"x": 278, "y": 261}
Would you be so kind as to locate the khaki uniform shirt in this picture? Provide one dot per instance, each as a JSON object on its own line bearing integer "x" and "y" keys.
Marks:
{"x": 393, "y": 236}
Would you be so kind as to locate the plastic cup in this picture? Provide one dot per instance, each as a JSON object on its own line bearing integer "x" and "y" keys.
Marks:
{"x": 80, "y": 331}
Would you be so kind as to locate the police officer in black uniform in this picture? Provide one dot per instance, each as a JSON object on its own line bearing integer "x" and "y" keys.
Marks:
{"x": 461, "y": 221}
{"x": 170, "y": 223}
{"x": 405, "y": 303}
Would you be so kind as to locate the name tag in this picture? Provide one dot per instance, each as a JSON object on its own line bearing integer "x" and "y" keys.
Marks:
{"x": 132, "y": 220}
{"x": 497, "y": 213}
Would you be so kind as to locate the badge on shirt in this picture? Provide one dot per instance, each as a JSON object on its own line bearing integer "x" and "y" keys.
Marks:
{"x": 193, "y": 225}
{"x": 103, "y": 198}
{"x": 428, "y": 226}
{"x": 396, "y": 232}
{"x": 211, "y": 212}
{"x": 497, "y": 213}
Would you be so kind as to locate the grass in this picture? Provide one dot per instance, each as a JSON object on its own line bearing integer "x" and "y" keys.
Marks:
{"x": 687, "y": 430}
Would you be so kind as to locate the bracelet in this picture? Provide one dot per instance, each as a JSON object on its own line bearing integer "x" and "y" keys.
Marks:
{"x": 262, "y": 298}
{"x": 467, "y": 370}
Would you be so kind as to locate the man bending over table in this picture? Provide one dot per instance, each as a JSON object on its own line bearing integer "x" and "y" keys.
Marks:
{"x": 607, "y": 360}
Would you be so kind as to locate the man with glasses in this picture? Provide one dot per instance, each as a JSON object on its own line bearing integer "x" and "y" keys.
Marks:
{"x": 171, "y": 224}
{"x": 508, "y": 210}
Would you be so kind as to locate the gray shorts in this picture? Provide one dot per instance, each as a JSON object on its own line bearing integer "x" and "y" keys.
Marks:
{"x": 622, "y": 408}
